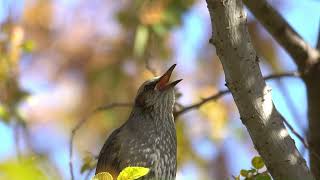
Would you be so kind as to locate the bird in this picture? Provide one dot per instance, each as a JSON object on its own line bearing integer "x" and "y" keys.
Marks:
{"x": 148, "y": 138}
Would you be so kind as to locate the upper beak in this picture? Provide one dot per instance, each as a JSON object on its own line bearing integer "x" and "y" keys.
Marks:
{"x": 162, "y": 83}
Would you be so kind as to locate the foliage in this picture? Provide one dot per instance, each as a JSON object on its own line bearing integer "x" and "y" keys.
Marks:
{"x": 128, "y": 173}
{"x": 256, "y": 172}
{"x": 26, "y": 169}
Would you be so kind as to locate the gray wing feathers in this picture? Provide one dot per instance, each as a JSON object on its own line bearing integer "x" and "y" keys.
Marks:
{"x": 109, "y": 155}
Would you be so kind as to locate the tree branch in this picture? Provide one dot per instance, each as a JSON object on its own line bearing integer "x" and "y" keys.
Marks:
{"x": 224, "y": 92}
{"x": 308, "y": 61}
{"x": 81, "y": 122}
{"x": 251, "y": 94}
{"x": 301, "y": 52}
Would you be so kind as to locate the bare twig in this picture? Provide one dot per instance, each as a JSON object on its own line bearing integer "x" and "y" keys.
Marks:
{"x": 200, "y": 103}
{"x": 16, "y": 129}
{"x": 303, "y": 141}
{"x": 224, "y": 92}
{"x": 88, "y": 174}
{"x": 81, "y": 122}
{"x": 289, "y": 103}
{"x": 301, "y": 52}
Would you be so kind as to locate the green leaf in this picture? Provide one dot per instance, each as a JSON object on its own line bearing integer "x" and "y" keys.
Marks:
{"x": 132, "y": 173}
{"x": 236, "y": 178}
{"x": 244, "y": 172}
{"x": 159, "y": 29}
{"x": 102, "y": 176}
{"x": 257, "y": 162}
{"x": 4, "y": 114}
{"x": 140, "y": 42}
{"x": 263, "y": 177}
{"x": 88, "y": 163}
{"x": 28, "y": 46}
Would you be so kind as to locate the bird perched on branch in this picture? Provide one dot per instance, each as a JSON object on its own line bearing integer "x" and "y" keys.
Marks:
{"x": 148, "y": 137}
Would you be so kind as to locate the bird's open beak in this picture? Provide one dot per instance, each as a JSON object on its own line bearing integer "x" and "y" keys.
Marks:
{"x": 163, "y": 84}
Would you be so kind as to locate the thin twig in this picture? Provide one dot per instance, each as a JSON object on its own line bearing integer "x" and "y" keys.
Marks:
{"x": 224, "y": 92}
{"x": 17, "y": 139}
{"x": 303, "y": 141}
{"x": 200, "y": 103}
{"x": 88, "y": 174}
{"x": 289, "y": 103}
{"x": 81, "y": 122}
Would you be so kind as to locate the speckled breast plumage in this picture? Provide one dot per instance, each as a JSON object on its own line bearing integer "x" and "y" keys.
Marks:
{"x": 153, "y": 145}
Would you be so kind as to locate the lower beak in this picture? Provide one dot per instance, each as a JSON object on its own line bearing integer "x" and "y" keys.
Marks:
{"x": 162, "y": 83}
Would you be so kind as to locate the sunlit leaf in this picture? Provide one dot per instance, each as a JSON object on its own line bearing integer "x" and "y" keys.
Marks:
{"x": 257, "y": 162}
{"x": 102, "y": 176}
{"x": 4, "y": 114}
{"x": 89, "y": 162}
{"x": 132, "y": 173}
{"x": 28, "y": 46}
{"x": 16, "y": 39}
{"x": 216, "y": 113}
{"x": 141, "y": 39}
{"x": 26, "y": 169}
{"x": 159, "y": 29}
{"x": 152, "y": 12}
{"x": 244, "y": 172}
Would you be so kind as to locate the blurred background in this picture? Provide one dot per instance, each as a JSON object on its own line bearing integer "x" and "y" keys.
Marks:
{"x": 61, "y": 59}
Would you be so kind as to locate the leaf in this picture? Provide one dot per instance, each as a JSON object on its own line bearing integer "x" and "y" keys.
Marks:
{"x": 131, "y": 173}
{"x": 216, "y": 113}
{"x": 159, "y": 29}
{"x": 257, "y": 162}
{"x": 244, "y": 172}
{"x": 102, "y": 176}
{"x": 140, "y": 41}
{"x": 88, "y": 163}
{"x": 28, "y": 46}
{"x": 4, "y": 114}
{"x": 263, "y": 177}
{"x": 24, "y": 169}
{"x": 236, "y": 178}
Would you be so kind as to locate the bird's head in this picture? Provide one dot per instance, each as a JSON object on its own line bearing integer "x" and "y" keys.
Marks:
{"x": 157, "y": 92}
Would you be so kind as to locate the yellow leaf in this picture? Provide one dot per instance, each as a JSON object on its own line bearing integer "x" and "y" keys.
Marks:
{"x": 26, "y": 168}
{"x": 102, "y": 176}
{"x": 132, "y": 173}
{"x": 140, "y": 42}
{"x": 216, "y": 113}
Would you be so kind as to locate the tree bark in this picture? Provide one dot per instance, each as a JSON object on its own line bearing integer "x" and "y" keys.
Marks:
{"x": 301, "y": 52}
{"x": 308, "y": 61}
{"x": 251, "y": 94}
{"x": 312, "y": 80}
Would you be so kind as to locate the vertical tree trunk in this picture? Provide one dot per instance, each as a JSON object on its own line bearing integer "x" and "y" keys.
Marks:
{"x": 312, "y": 80}
{"x": 252, "y": 96}
{"x": 307, "y": 60}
